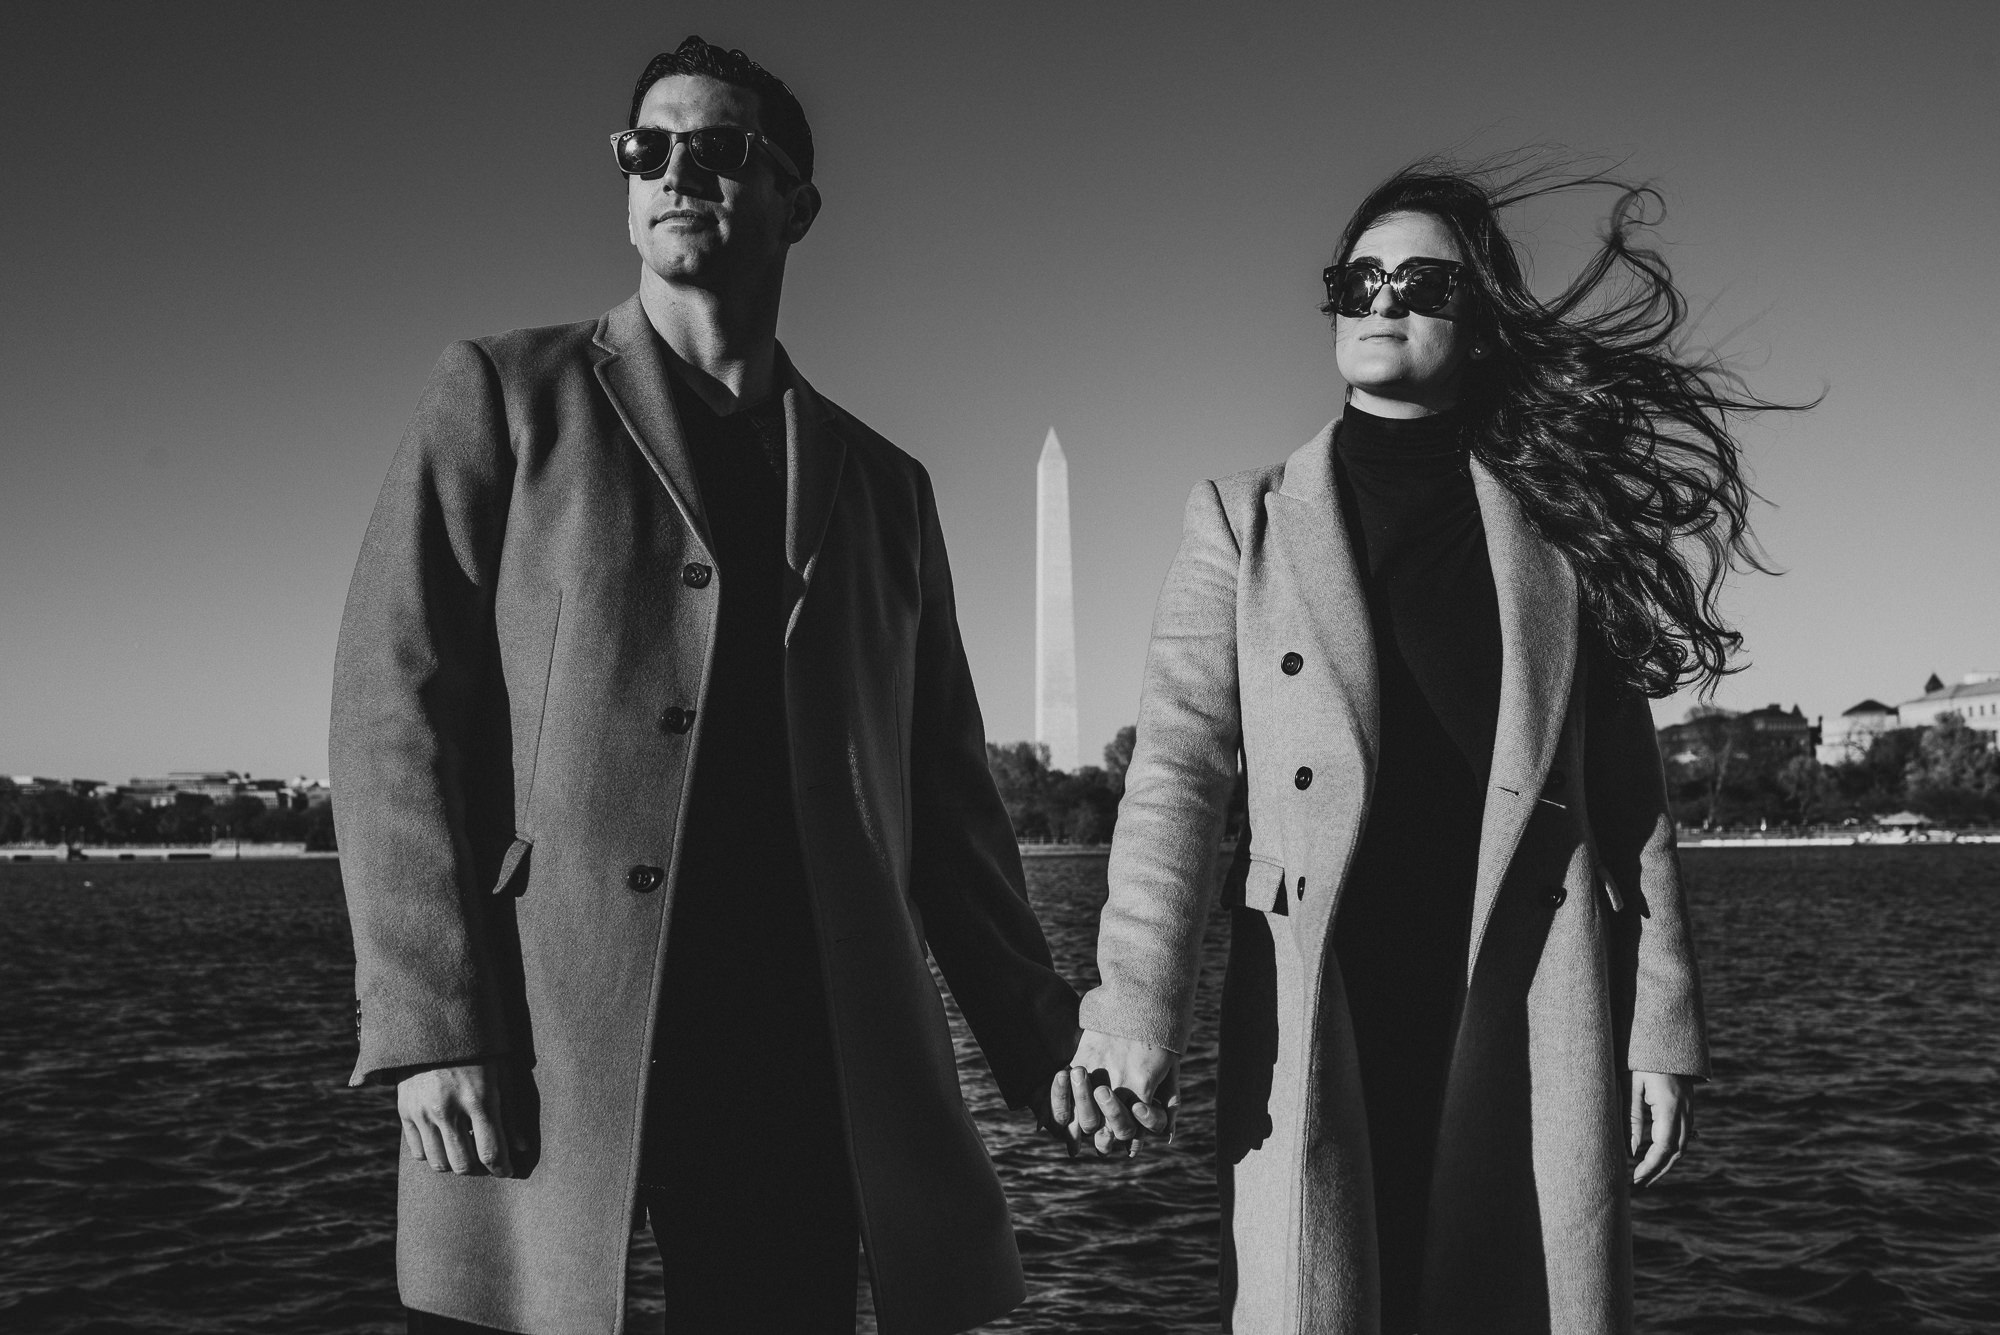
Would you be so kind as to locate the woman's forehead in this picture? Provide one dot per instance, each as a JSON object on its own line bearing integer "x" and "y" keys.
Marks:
{"x": 1395, "y": 237}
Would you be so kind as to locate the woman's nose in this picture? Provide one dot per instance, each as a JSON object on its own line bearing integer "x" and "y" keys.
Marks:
{"x": 1386, "y": 303}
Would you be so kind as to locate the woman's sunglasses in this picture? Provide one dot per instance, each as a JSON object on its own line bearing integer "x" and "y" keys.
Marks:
{"x": 1419, "y": 285}
{"x": 722, "y": 149}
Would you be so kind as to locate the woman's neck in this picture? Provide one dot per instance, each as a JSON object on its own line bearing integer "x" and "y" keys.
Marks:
{"x": 1404, "y": 409}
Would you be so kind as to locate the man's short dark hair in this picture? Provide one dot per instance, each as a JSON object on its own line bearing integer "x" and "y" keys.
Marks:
{"x": 779, "y": 114}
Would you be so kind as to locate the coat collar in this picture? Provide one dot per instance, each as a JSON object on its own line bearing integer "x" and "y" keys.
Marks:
{"x": 633, "y": 371}
{"x": 1537, "y": 594}
{"x": 1538, "y": 628}
{"x": 1312, "y": 524}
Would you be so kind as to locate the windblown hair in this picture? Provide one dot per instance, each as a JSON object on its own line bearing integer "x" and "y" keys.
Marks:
{"x": 778, "y": 111}
{"x": 1615, "y": 439}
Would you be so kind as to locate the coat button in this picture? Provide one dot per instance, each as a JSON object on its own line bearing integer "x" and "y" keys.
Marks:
{"x": 695, "y": 575}
{"x": 1301, "y": 891}
{"x": 1290, "y": 664}
{"x": 676, "y": 719}
{"x": 1557, "y": 894}
{"x": 644, "y": 879}
{"x": 1304, "y": 778}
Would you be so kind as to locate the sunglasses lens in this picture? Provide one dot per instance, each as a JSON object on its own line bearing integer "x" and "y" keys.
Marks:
{"x": 643, "y": 152}
{"x": 1354, "y": 288}
{"x": 720, "y": 150}
{"x": 1425, "y": 290}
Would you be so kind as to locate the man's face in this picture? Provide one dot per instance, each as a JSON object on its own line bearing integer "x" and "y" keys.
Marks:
{"x": 694, "y": 227}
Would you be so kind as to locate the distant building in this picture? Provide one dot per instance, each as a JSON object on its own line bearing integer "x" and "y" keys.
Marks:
{"x": 1771, "y": 728}
{"x": 1975, "y": 698}
{"x": 1850, "y": 737}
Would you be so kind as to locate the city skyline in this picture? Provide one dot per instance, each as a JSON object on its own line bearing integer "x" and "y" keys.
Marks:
{"x": 1108, "y": 217}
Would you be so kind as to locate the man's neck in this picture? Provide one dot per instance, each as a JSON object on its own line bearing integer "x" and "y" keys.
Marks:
{"x": 727, "y": 346}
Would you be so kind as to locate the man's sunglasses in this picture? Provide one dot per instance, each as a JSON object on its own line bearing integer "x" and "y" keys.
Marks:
{"x": 1419, "y": 285}
{"x": 721, "y": 149}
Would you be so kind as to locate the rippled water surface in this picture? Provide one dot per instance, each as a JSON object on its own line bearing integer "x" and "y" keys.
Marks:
{"x": 178, "y": 1152}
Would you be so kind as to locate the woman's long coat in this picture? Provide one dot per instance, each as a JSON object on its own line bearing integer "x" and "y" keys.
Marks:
{"x": 1581, "y": 965}
{"x": 532, "y": 619}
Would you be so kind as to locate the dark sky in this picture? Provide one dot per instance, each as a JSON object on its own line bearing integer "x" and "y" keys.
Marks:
{"x": 235, "y": 238}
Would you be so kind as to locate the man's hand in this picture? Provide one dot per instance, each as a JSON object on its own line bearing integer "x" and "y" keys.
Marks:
{"x": 1115, "y": 1091}
{"x": 1662, "y": 1123}
{"x": 452, "y": 1119}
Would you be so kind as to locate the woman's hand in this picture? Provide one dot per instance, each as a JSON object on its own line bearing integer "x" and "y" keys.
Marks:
{"x": 452, "y": 1119}
{"x": 1115, "y": 1091}
{"x": 1662, "y": 1123}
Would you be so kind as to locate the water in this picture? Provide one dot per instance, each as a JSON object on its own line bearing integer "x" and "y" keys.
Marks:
{"x": 178, "y": 1152}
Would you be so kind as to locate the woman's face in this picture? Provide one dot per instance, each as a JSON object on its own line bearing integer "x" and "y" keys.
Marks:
{"x": 1400, "y": 363}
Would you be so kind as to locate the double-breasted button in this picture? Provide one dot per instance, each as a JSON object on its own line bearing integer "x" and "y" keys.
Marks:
{"x": 1304, "y": 778}
{"x": 644, "y": 880}
{"x": 676, "y": 719}
{"x": 1556, "y": 895}
{"x": 695, "y": 575}
{"x": 1301, "y": 892}
{"x": 1290, "y": 664}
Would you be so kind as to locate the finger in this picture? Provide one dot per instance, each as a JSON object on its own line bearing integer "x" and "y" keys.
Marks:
{"x": 1638, "y": 1114}
{"x": 1103, "y": 1142}
{"x": 489, "y": 1137}
{"x": 1117, "y": 1118}
{"x": 1661, "y": 1150}
{"x": 1089, "y": 1119}
{"x": 1061, "y": 1105}
{"x": 413, "y": 1143}
{"x": 457, "y": 1145}
{"x": 1156, "y": 1119}
{"x": 434, "y": 1152}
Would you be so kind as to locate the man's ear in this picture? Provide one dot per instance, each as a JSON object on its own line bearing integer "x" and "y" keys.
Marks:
{"x": 804, "y": 208}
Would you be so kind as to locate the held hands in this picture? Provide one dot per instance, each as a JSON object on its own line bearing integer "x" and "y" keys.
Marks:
{"x": 1115, "y": 1091}
{"x": 1662, "y": 1123}
{"x": 452, "y": 1120}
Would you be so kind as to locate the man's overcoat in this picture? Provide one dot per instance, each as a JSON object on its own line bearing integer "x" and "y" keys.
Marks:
{"x": 532, "y": 619}
{"x": 1581, "y": 965}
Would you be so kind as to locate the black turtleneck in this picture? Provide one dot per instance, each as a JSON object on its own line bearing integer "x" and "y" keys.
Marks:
{"x": 1413, "y": 520}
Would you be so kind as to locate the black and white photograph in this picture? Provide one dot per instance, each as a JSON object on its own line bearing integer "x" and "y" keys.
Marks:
{"x": 784, "y": 668}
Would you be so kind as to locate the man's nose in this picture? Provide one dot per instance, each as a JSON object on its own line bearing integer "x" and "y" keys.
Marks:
{"x": 682, "y": 175}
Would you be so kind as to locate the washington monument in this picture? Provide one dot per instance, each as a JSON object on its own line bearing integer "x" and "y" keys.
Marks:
{"x": 1055, "y": 610}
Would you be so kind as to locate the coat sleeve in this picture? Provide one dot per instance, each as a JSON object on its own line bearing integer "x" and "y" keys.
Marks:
{"x": 1656, "y": 983}
{"x": 1176, "y": 792}
{"x": 410, "y": 774}
{"x": 965, "y": 869}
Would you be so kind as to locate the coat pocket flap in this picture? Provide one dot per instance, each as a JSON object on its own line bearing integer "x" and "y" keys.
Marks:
{"x": 1257, "y": 884}
{"x": 510, "y": 866}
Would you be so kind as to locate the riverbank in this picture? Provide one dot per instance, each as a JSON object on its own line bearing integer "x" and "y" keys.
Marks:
{"x": 223, "y": 852}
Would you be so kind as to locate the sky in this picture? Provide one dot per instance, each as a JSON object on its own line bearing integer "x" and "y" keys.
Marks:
{"x": 236, "y": 238}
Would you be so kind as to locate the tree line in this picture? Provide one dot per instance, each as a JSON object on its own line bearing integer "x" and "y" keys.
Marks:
{"x": 60, "y": 816}
{"x": 1724, "y": 776}
{"x": 1719, "y": 773}
{"x": 1079, "y": 806}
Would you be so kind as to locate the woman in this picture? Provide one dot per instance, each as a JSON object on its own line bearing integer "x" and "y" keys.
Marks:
{"x": 1461, "y": 999}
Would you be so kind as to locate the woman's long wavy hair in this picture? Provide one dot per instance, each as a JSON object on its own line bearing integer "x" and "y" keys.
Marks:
{"x": 1590, "y": 409}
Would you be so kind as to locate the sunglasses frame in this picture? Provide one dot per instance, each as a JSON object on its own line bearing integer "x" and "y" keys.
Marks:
{"x": 1397, "y": 282}
{"x": 782, "y": 159}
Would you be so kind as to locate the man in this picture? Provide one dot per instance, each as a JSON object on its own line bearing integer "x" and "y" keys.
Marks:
{"x": 660, "y": 767}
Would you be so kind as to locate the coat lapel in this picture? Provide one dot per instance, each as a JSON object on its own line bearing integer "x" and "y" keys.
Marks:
{"x": 1311, "y": 533}
{"x": 1538, "y": 628}
{"x": 814, "y": 457}
{"x": 634, "y": 377}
